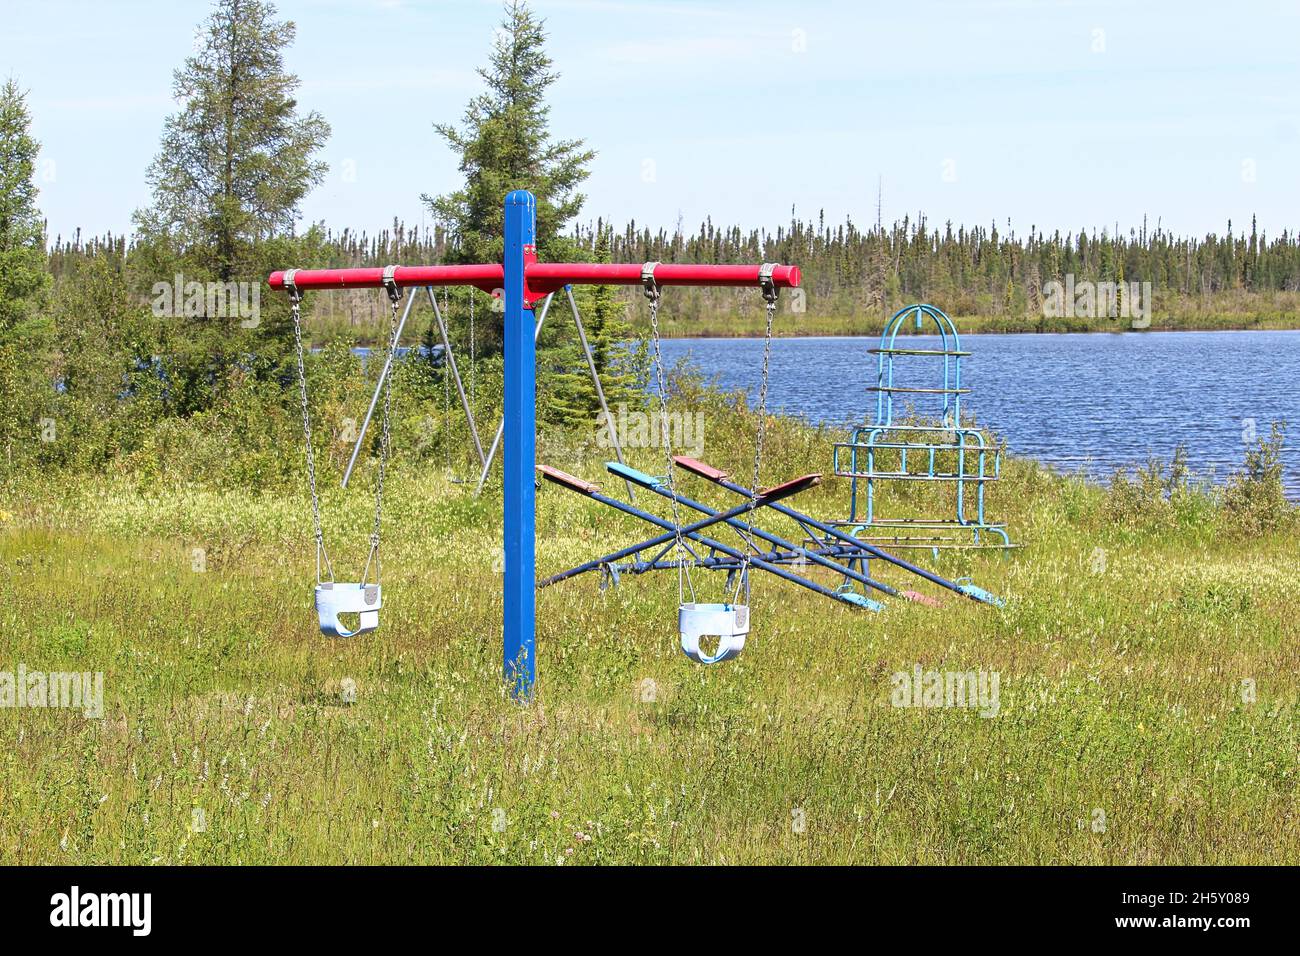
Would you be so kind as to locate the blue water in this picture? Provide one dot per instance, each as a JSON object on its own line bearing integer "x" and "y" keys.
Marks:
{"x": 1078, "y": 402}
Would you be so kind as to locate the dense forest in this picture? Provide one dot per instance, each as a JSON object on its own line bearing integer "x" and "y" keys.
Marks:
{"x": 852, "y": 272}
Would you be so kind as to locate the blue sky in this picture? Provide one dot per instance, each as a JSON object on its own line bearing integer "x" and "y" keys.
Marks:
{"x": 1060, "y": 114}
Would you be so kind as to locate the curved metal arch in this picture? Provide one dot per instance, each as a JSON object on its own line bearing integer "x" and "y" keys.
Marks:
{"x": 950, "y": 349}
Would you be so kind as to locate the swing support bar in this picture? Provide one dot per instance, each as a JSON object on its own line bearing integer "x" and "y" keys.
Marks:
{"x": 522, "y": 281}
{"x": 379, "y": 389}
{"x": 542, "y": 278}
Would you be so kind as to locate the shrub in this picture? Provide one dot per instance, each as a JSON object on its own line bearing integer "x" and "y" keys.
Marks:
{"x": 1254, "y": 501}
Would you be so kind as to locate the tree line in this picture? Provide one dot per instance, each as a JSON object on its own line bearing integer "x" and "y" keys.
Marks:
{"x": 969, "y": 270}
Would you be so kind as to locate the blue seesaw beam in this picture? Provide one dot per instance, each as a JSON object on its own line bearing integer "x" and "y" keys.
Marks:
{"x": 657, "y": 486}
{"x": 691, "y": 532}
{"x": 721, "y": 479}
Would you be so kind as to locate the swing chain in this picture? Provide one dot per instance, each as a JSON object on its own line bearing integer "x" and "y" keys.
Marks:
{"x": 385, "y": 433}
{"x": 295, "y": 307}
{"x": 654, "y": 294}
{"x": 768, "y": 288}
{"x": 769, "y": 291}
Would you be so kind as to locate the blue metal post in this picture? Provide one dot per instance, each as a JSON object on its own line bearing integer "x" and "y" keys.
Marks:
{"x": 519, "y": 650}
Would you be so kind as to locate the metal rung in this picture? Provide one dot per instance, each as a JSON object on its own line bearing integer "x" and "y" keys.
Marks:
{"x": 903, "y": 476}
{"x": 933, "y": 427}
{"x": 916, "y": 446}
{"x": 917, "y": 352}
{"x": 932, "y": 524}
{"x": 923, "y": 391}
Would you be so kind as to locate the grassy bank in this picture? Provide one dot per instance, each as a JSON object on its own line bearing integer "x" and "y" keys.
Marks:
{"x": 1262, "y": 311}
{"x": 1147, "y": 659}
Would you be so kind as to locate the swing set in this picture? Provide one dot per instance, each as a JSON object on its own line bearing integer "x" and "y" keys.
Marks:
{"x": 681, "y": 545}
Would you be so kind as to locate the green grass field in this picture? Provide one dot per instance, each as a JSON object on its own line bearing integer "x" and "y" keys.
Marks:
{"x": 1147, "y": 661}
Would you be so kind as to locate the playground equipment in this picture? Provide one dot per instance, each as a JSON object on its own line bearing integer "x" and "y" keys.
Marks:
{"x": 467, "y": 401}
{"x": 728, "y": 620}
{"x": 522, "y": 281}
{"x": 941, "y": 451}
{"x": 825, "y": 545}
{"x": 335, "y": 598}
{"x": 684, "y": 547}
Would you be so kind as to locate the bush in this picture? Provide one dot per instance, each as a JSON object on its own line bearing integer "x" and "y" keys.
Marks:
{"x": 1254, "y": 501}
{"x": 1160, "y": 495}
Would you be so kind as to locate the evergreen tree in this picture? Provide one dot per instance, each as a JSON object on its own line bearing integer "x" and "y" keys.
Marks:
{"x": 567, "y": 392}
{"x": 237, "y": 159}
{"x": 23, "y": 277}
{"x": 620, "y": 362}
{"x": 504, "y": 144}
{"x": 234, "y": 164}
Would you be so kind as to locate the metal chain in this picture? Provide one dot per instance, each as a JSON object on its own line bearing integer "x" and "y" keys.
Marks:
{"x": 769, "y": 298}
{"x": 762, "y": 399}
{"x": 446, "y": 397}
{"x": 385, "y": 441}
{"x": 473, "y": 354}
{"x": 295, "y": 305}
{"x": 652, "y": 293}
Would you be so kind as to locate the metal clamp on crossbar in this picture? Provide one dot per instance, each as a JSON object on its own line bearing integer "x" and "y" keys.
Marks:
{"x": 390, "y": 283}
{"x": 291, "y": 287}
{"x": 648, "y": 280}
{"x": 766, "y": 282}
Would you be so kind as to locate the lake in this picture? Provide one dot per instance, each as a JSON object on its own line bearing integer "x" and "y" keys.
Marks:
{"x": 1077, "y": 402}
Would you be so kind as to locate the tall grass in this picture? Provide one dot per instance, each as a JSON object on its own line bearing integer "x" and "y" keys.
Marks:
{"x": 1148, "y": 683}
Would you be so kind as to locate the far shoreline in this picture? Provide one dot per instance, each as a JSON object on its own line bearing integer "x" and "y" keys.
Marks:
{"x": 758, "y": 333}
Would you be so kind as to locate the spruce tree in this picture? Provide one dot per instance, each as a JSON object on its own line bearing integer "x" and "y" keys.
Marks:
{"x": 235, "y": 162}
{"x": 23, "y": 277}
{"x": 504, "y": 143}
{"x": 620, "y": 362}
{"x": 237, "y": 158}
{"x": 567, "y": 393}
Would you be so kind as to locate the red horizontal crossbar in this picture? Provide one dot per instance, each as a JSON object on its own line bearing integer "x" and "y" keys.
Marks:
{"x": 541, "y": 278}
